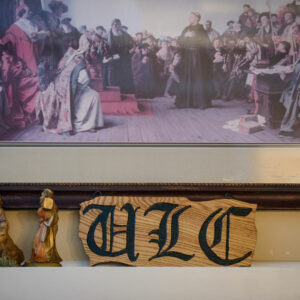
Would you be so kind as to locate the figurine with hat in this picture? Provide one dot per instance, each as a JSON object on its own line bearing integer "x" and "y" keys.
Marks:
{"x": 44, "y": 252}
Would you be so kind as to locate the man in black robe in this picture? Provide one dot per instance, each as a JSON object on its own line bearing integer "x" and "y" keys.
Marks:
{"x": 236, "y": 82}
{"x": 264, "y": 37}
{"x": 196, "y": 88}
{"x": 219, "y": 75}
{"x": 52, "y": 48}
{"x": 69, "y": 32}
{"x": 143, "y": 72}
{"x": 120, "y": 44}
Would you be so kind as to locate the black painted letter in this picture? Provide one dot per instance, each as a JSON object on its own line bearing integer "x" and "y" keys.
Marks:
{"x": 162, "y": 231}
{"x": 236, "y": 211}
{"x": 102, "y": 219}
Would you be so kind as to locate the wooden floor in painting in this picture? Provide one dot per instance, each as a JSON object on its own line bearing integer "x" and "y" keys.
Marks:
{"x": 166, "y": 125}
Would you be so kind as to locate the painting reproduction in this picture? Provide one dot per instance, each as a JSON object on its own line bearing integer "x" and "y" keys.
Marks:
{"x": 150, "y": 72}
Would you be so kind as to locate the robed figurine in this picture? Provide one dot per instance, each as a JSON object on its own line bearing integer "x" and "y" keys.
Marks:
{"x": 44, "y": 251}
{"x": 10, "y": 254}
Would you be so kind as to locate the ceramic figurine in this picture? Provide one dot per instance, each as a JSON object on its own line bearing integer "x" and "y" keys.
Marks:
{"x": 10, "y": 254}
{"x": 44, "y": 251}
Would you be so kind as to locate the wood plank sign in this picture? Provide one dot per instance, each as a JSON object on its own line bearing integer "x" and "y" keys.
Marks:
{"x": 154, "y": 231}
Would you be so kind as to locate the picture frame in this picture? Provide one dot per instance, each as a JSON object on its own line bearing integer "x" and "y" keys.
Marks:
{"x": 180, "y": 162}
{"x": 252, "y": 174}
{"x": 158, "y": 127}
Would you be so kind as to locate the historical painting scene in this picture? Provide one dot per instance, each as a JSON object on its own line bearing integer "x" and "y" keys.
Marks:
{"x": 150, "y": 71}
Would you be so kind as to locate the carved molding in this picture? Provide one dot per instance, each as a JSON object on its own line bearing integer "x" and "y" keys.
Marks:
{"x": 70, "y": 195}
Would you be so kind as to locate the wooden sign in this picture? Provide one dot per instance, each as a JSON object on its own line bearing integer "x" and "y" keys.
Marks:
{"x": 153, "y": 231}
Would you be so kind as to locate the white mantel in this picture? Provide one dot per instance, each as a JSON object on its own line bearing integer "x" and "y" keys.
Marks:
{"x": 77, "y": 281}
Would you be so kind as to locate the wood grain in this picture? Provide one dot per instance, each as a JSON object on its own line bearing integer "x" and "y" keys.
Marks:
{"x": 242, "y": 234}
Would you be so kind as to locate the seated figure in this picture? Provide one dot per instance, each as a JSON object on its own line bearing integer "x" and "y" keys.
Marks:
{"x": 69, "y": 105}
{"x": 4, "y": 106}
{"x": 21, "y": 87}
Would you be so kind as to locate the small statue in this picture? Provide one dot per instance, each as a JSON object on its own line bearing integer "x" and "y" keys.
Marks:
{"x": 10, "y": 254}
{"x": 44, "y": 251}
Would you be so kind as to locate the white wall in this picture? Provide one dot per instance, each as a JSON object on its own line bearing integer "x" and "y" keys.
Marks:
{"x": 161, "y": 17}
{"x": 263, "y": 281}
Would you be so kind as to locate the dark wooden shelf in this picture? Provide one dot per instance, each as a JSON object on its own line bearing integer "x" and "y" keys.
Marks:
{"x": 69, "y": 195}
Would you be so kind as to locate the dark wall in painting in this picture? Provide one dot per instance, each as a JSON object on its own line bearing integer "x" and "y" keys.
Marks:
{"x": 7, "y": 14}
{"x": 34, "y": 5}
{"x": 8, "y": 10}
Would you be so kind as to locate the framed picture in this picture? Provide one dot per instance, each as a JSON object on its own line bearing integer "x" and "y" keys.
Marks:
{"x": 145, "y": 92}
{"x": 149, "y": 72}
